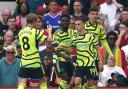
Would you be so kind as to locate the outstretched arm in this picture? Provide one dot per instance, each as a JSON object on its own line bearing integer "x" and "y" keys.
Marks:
{"x": 100, "y": 58}
{"x": 49, "y": 30}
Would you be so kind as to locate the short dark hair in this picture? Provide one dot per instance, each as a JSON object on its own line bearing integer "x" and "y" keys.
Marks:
{"x": 31, "y": 18}
{"x": 125, "y": 23}
{"x": 11, "y": 17}
{"x": 81, "y": 19}
{"x": 94, "y": 8}
{"x": 112, "y": 33}
{"x": 19, "y": 7}
{"x": 125, "y": 9}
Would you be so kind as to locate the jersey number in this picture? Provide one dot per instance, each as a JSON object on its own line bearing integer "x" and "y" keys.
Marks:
{"x": 25, "y": 41}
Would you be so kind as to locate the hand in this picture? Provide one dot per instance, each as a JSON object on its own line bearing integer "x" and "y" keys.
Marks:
{"x": 122, "y": 32}
{"x": 49, "y": 29}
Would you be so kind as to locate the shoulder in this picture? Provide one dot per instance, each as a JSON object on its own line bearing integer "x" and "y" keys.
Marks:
{"x": 58, "y": 31}
{"x": 2, "y": 61}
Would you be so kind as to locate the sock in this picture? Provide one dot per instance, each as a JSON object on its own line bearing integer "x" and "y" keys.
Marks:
{"x": 43, "y": 85}
{"x": 63, "y": 84}
{"x": 22, "y": 86}
{"x": 78, "y": 86}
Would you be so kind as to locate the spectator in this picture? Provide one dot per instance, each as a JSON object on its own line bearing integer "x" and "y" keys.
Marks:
{"x": 65, "y": 9}
{"x": 123, "y": 36}
{"x": 3, "y": 24}
{"x": 116, "y": 20}
{"x": 123, "y": 18}
{"x": 78, "y": 10}
{"x": 109, "y": 68}
{"x": 13, "y": 27}
{"x": 53, "y": 17}
{"x": 8, "y": 38}
{"x": 2, "y": 50}
{"x": 109, "y": 9}
{"x": 68, "y": 3}
{"x": 118, "y": 53}
{"x": 23, "y": 10}
{"x": 9, "y": 68}
{"x": 124, "y": 48}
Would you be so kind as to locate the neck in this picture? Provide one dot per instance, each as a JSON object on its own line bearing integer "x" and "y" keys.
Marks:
{"x": 9, "y": 61}
{"x": 78, "y": 13}
{"x": 23, "y": 15}
{"x": 30, "y": 25}
{"x": 93, "y": 22}
{"x": 53, "y": 13}
{"x": 82, "y": 32}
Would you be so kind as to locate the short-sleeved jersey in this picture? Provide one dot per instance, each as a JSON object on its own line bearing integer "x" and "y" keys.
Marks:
{"x": 62, "y": 38}
{"x": 97, "y": 30}
{"x": 85, "y": 48}
{"x": 53, "y": 20}
{"x": 29, "y": 38}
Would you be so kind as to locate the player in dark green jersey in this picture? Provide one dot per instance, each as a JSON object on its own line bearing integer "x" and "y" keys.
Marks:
{"x": 94, "y": 27}
{"x": 30, "y": 66}
{"x": 63, "y": 37}
{"x": 85, "y": 42}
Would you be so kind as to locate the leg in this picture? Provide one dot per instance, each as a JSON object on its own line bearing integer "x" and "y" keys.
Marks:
{"x": 22, "y": 83}
{"x": 64, "y": 84}
{"x": 43, "y": 84}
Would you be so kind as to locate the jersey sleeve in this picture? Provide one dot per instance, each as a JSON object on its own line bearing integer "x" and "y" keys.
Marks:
{"x": 55, "y": 38}
{"x": 102, "y": 33}
{"x": 40, "y": 36}
{"x": 94, "y": 40}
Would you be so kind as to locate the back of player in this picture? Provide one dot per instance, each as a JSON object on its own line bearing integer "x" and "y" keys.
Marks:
{"x": 29, "y": 38}
{"x": 30, "y": 66}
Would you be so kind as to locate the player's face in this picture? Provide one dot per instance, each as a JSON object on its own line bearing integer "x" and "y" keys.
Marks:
{"x": 65, "y": 21}
{"x": 38, "y": 24}
{"x": 93, "y": 16}
{"x": 79, "y": 25}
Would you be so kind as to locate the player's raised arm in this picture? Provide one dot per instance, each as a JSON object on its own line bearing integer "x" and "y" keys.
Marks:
{"x": 49, "y": 30}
